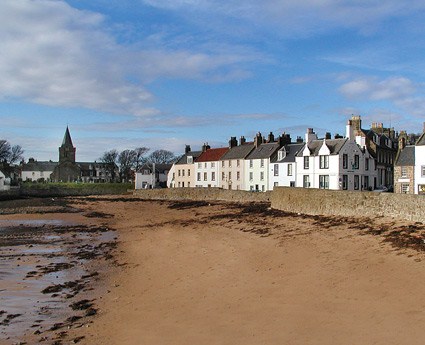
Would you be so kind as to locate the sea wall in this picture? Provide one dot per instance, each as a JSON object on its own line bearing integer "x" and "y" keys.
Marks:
{"x": 308, "y": 201}
{"x": 202, "y": 194}
{"x": 346, "y": 203}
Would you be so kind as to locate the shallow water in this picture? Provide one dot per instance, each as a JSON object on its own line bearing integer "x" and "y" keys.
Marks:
{"x": 34, "y": 256}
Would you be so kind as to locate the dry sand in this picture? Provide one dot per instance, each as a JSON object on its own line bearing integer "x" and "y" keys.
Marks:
{"x": 219, "y": 273}
{"x": 199, "y": 273}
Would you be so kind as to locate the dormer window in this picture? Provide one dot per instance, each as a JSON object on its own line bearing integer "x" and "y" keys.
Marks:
{"x": 189, "y": 160}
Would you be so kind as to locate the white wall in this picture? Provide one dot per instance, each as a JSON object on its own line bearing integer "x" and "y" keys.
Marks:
{"x": 35, "y": 175}
{"x": 419, "y": 162}
{"x": 206, "y": 170}
{"x": 259, "y": 172}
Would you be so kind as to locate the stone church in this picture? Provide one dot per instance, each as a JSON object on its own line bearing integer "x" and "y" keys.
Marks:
{"x": 68, "y": 170}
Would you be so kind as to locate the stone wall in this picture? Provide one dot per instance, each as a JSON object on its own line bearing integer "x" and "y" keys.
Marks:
{"x": 409, "y": 176}
{"x": 347, "y": 203}
{"x": 202, "y": 194}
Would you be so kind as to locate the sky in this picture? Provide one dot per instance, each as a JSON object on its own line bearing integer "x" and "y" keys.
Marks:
{"x": 168, "y": 73}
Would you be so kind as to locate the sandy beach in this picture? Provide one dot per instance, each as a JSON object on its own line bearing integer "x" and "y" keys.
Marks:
{"x": 221, "y": 273}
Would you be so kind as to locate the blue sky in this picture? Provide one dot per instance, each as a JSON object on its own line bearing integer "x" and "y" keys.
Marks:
{"x": 165, "y": 73}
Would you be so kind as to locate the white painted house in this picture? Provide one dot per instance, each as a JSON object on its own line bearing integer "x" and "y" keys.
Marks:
{"x": 4, "y": 182}
{"x": 232, "y": 164}
{"x": 420, "y": 165}
{"x": 335, "y": 163}
{"x": 257, "y": 163}
{"x": 182, "y": 174}
{"x": 37, "y": 170}
{"x": 152, "y": 176}
{"x": 207, "y": 167}
{"x": 283, "y": 168}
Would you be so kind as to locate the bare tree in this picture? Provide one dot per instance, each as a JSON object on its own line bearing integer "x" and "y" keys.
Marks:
{"x": 16, "y": 154}
{"x": 10, "y": 154}
{"x": 161, "y": 156}
{"x": 110, "y": 159}
{"x": 140, "y": 156}
{"x": 126, "y": 162}
{"x": 4, "y": 150}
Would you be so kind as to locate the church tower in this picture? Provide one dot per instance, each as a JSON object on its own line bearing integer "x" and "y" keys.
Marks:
{"x": 67, "y": 150}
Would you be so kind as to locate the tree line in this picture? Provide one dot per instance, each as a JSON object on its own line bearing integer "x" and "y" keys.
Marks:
{"x": 128, "y": 161}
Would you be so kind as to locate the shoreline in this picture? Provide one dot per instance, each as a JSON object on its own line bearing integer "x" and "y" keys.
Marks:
{"x": 216, "y": 272}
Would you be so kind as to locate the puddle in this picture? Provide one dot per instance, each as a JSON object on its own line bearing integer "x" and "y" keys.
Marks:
{"x": 45, "y": 255}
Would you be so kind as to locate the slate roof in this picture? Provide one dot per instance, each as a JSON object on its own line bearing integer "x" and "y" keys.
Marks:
{"x": 406, "y": 157}
{"x": 212, "y": 155}
{"x": 67, "y": 138}
{"x": 421, "y": 140}
{"x": 263, "y": 151}
{"x": 238, "y": 152}
{"x": 194, "y": 154}
{"x": 291, "y": 152}
{"x": 39, "y": 166}
{"x": 159, "y": 167}
{"x": 334, "y": 145}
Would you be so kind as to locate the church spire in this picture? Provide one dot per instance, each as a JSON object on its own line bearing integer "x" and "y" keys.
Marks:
{"x": 67, "y": 138}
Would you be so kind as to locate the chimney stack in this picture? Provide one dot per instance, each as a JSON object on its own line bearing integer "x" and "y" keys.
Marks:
{"x": 328, "y": 135}
{"x": 258, "y": 140}
{"x": 233, "y": 142}
{"x": 270, "y": 138}
{"x": 187, "y": 149}
{"x": 349, "y": 130}
{"x": 205, "y": 147}
{"x": 310, "y": 135}
{"x": 242, "y": 140}
{"x": 284, "y": 139}
{"x": 299, "y": 140}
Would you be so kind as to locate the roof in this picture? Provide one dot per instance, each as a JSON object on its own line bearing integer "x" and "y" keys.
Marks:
{"x": 183, "y": 159}
{"x": 86, "y": 165}
{"x": 421, "y": 140}
{"x": 406, "y": 157}
{"x": 39, "y": 166}
{"x": 159, "y": 167}
{"x": 238, "y": 152}
{"x": 291, "y": 152}
{"x": 67, "y": 141}
{"x": 212, "y": 155}
{"x": 263, "y": 151}
{"x": 334, "y": 145}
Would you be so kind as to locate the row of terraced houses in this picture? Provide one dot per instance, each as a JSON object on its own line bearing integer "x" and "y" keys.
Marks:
{"x": 360, "y": 160}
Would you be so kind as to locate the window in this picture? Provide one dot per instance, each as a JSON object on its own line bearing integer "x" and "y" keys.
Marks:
{"x": 205, "y": 165}
{"x": 262, "y": 176}
{"x": 292, "y": 184}
{"x": 324, "y": 181}
{"x": 188, "y": 172}
{"x": 174, "y": 176}
{"x": 306, "y": 162}
{"x": 405, "y": 188}
{"x": 345, "y": 182}
{"x": 205, "y": 176}
{"x": 222, "y": 164}
{"x": 262, "y": 163}
{"x": 230, "y": 163}
{"x": 423, "y": 170}
{"x": 263, "y": 188}
{"x": 366, "y": 164}
{"x": 213, "y": 176}
{"x": 276, "y": 170}
{"x": 289, "y": 169}
{"x": 183, "y": 172}
{"x": 356, "y": 162}
{"x": 275, "y": 184}
{"x": 324, "y": 162}
{"x": 212, "y": 164}
{"x": 198, "y": 177}
{"x": 223, "y": 176}
{"x": 238, "y": 175}
{"x": 251, "y": 176}
{"x": 189, "y": 160}
{"x": 366, "y": 182}
{"x": 188, "y": 184}
{"x": 251, "y": 163}
{"x": 306, "y": 181}
{"x": 344, "y": 161}
{"x": 238, "y": 163}
{"x": 183, "y": 184}
{"x": 179, "y": 172}
{"x": 199, "y": 165}
{"x": 356, "y": 182}
{"x": 230, "y": 176}
{"x": 403, "y": 171}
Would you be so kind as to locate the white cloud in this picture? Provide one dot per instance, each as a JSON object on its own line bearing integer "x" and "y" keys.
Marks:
{"x": 298, "y": 17}
{"x": 60, "y": 56}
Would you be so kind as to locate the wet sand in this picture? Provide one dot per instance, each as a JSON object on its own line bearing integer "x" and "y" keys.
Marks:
{"x": 219, "y": 273}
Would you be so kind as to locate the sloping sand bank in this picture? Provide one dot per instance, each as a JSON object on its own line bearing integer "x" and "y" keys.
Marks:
{"x": 199, "y": 273}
